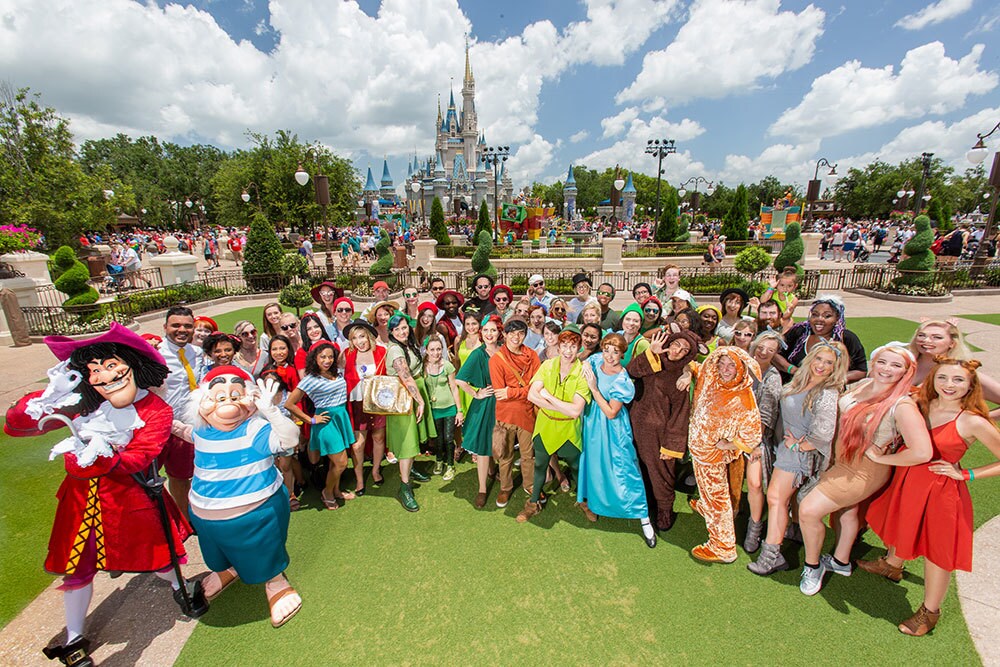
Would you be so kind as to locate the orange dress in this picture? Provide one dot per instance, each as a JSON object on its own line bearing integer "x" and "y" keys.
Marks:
{"x": 925, "y": 514}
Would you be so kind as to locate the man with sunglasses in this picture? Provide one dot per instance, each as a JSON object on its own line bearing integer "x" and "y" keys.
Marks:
{"x": 582, "y": 287}
{"x": 437, "y": 287}
{"x": 480, "y": 302}
{"x": 537, "y": 292}
{"x": 611, "y": 320}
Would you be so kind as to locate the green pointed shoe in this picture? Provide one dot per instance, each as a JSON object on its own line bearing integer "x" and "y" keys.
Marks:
{"x": 406, "y": 498}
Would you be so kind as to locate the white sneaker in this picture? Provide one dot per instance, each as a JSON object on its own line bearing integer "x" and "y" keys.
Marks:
{"x": 827, "y": 563}
{"x": 449, "y": 473}
{"x": 390, "y": 458}
{"x": 812, "y": 579}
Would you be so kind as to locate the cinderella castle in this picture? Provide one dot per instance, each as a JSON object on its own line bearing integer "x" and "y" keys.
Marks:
{"x": 456, "y": 171}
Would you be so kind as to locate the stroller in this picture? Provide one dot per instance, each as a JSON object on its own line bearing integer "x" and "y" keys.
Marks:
{"x": 115, "y": 280}
{"x": 862, "y": 254}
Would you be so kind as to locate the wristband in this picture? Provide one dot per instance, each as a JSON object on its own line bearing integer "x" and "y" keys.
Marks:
{"x": 791, "y": 369}
{"x": 312, "y": 420}
{"x": 969, "y": 475}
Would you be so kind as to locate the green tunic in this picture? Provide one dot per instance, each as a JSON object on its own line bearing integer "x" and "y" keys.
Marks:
{"x": 404, "y": 434}
{"x": 555, "y": 429}
{"x": 477, "y": 431}
{"x": 638, "y": 345}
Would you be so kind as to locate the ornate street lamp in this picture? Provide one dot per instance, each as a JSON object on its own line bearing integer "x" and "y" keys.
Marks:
{"x": 925, "y": 161}
{"x": 695, "y": 196}
{"x": 496, "y": 156}
{"x": 976, "y": 155}
{"x": 812, "y": 191}
{"x": 659, "y": 148}
{"x": 417, "y": 187}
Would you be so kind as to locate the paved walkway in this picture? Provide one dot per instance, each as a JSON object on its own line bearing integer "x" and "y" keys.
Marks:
{"x": 144, "y": 625}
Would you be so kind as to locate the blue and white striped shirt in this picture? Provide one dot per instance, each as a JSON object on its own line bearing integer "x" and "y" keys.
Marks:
{"x": 324, "y": 393}
{"x": 234, "y": 468}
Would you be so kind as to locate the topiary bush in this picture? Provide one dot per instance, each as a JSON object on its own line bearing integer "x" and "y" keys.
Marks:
{"x": 481, "y": 258}
{"x": 793, "y": 250}
{"x": 62, "y": 260}
{"x": 294, "y": 265}
{"x": 920, "y": 258}
{"x": 263, "y": 252}
{"x": 296, "y": 296}
{"x": 439, "y": 232}
{"x": 72, "y": 280}
{"x": 752, "y": 259}
{"x": 667, "y": 229}
{"x": 683, "y": 235}
{"x": 383, "y": 264}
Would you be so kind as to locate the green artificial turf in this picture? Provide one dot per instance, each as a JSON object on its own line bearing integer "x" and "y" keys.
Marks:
{"x": 452, "y": 584}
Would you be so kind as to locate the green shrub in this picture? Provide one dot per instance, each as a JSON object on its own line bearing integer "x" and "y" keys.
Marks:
{"x": 73, "y": 277}
{"x": 383, "y": 264}
{"x": 920, "y": 258}
{"x": 83, "y": 299}
{"x": 263, "y": 252}
{"x": 294, "y": 265}
{"x": 752, "y": 259}
{"x": 61, "y": 260}
{"x": 296, "y": 296}
{"x": 484, "y": 223}
{"x": 683, "y": 235}
{"x": 734, "y": 225}
{"x": 715, "y": 283}
{"x": 667, "y": 229}
{"x": 792, "y": 251}
{"x": 481, "y": 258}
{"x": 439, "y": 232}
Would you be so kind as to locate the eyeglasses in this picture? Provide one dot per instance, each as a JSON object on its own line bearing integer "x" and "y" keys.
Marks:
{"x": 743, "y": 334}
{"x": 558, "y": 309}
{"x": 249, "y": 333}
{"x": 326, "y": 292}
{"x": 344, "y": 310}
{"x": 438, "y": 288}
{"x": 483, "y": 287}
{"x": 604, "y": 293}
{"x": 409, "y": 295}
{"x": 289, "y": 327}
{"x": 540, "y": 282}
{"x": 501, "y": 298}
{"x": 651, "y": 311}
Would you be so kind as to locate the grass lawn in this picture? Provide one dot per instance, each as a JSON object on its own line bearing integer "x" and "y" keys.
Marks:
{"x": 451, "y": 584}
{"x": 988, "y": 319}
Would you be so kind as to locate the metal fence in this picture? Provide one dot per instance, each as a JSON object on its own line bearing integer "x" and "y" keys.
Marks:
{"x": 648, "y": 249}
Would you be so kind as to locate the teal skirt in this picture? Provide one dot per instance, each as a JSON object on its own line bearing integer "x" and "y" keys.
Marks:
{"x": 334, "y": 436}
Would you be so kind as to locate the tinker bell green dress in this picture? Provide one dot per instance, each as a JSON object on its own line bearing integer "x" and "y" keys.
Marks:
{"x": 404, "y": 434}
{"x": 463, "y": 356}
{"x": 477, "y": 431}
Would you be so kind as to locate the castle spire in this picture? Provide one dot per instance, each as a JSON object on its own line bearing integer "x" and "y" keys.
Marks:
{"x": 451, "y": 102}
{"x": 468, "y": 64}
{"x": 440, "y": 119}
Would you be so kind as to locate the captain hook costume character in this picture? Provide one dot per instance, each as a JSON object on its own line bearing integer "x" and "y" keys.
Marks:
{"x": 111, "y": 513}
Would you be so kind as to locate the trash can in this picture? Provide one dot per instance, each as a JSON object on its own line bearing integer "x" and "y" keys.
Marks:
{"x": 399, "y": 257}
{"x": 97, "y": 265}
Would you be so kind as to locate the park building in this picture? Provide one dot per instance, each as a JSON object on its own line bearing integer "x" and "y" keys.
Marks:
{"x": 456, "y": 173}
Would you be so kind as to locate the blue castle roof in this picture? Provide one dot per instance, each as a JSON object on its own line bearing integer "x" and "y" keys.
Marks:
{"x": 570, "y": 179}
{"x": 386, "y": 177}
{"x": 370, "y": 183}
{"x": 629, "y": 187}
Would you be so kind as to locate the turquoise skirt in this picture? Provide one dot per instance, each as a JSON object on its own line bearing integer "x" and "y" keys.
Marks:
{"x": 334, "y": 436}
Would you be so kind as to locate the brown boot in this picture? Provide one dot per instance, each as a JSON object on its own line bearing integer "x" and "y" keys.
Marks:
{"x": 882, "y": 568}
{"x": 920, "y": 623}
{"x": 530, "y": 510}
{"x": 591, "y": 517}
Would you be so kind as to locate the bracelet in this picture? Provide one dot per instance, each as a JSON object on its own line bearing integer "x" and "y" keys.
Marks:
{"x": 792, "y": 368}
{"x": 970, "y": 475}
{"x": 312, "y": 420}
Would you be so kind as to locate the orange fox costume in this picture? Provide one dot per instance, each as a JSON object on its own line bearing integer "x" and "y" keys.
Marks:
{"x": 722, "y": 410}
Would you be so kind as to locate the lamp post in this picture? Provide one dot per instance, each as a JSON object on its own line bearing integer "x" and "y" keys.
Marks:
{"x": 496, "y": 156}
{"x": 245, "y": 196}
{"x": 416, "y": 187}
{"x": 616, "y": 188}
{"x": 659, "y": 148}
{"x": 903, "y": 196}
{"x": 695, "y": 197}
{"x": 812, "y": 192}
{"x": 925, "y": 161}
{"x": 321, "y": 186}
{"x": 976, "y": 155}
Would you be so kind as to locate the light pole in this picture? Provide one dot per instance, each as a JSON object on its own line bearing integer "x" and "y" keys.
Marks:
{"x": 976, "y": 155}
{"x": 812, "y": 192}
{"x": 415, "y": 188}
{"x": 903, "y": 196}
{"x": 616, "y": 189}
{"x": 925, "y": 161}
{"x": 321, "y": 186}
{"x": 496, "y": 156}
{"x": 246, "y": 195}
{"x": 709, "y": 189}
{"x": 659, "y": 148}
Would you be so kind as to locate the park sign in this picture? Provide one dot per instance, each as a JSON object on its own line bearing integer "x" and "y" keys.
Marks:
{"x": 513, "y": 212}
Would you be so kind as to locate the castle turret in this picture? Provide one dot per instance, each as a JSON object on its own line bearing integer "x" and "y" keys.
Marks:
{"x": 470, "y": 124}
{"x": 628, "y": 198}
{"x": 387, "y": 191}
{"x": 569, "y": 196}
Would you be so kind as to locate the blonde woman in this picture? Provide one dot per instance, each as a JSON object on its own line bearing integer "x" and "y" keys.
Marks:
{"x": 809, "y": 415}
{"x": 935, "y": 338}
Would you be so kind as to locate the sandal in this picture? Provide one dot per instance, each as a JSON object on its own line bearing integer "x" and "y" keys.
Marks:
{"x": 347, "y": 495}
{"x": 329, "y": 503}
{"x": 226, "y": 577}
{"x": 277, "y": 597}
{"x": 294, "y": 504}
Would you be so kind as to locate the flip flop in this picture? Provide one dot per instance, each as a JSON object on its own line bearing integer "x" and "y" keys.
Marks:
{"x": 273, "y": 600}
{"x": 347, "y": 495}
{"x": 329, "y": 503}
{"x": 226, "y": 577}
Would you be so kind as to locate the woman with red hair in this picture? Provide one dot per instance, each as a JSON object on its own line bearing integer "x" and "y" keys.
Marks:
{"x": 872, "y": 418}
{"x": 926, "y": 510}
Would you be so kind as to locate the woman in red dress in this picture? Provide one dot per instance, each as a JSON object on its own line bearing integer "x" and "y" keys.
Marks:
{"x": 926, "y": 510}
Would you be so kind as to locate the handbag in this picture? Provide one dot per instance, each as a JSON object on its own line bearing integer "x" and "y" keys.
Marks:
{"x": 386, "y": 395}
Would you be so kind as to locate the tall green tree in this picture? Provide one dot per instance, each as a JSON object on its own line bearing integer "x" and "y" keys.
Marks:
{"x": 41, "y": 184}
{"x": 734, "y": 226}
{"x": 667, "y": 229}
{"x": 439, "y": 232}
{"x": 483, "y": 223}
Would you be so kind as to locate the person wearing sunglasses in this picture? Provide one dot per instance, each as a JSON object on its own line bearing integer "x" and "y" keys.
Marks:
{"x": 288, "y": 327}
{"x": 582, "y": 286}
{"x": 480, "y": 301}
{"x": 652, "y": 314}
{"x": 250, "y": 357}
{"x": 411, "y": 302}
{"x": 502, "y": 297}
{"x": 437, "y": 287}
{"x": 557, "y": 311}
{"x": 611, "y": 320}
{"x": 538, "y": 293}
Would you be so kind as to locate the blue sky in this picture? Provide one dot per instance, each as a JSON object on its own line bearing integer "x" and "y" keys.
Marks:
{"x": 746, "y": 87}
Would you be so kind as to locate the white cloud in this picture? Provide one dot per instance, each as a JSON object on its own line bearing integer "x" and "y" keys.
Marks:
{"x": 789, "y": 163}
{"x": 531, "y": 159}
{"x": 725, "y": 47}
{"x": 615, "y": 125}
{"x": 852, "y": 96}
{"x": 936, "y": 12}
{"x": 630, "y": 150}
{"x": 578, "y": 136}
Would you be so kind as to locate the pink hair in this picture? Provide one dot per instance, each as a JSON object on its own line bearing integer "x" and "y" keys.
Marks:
{"x": 858, "y": 424}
